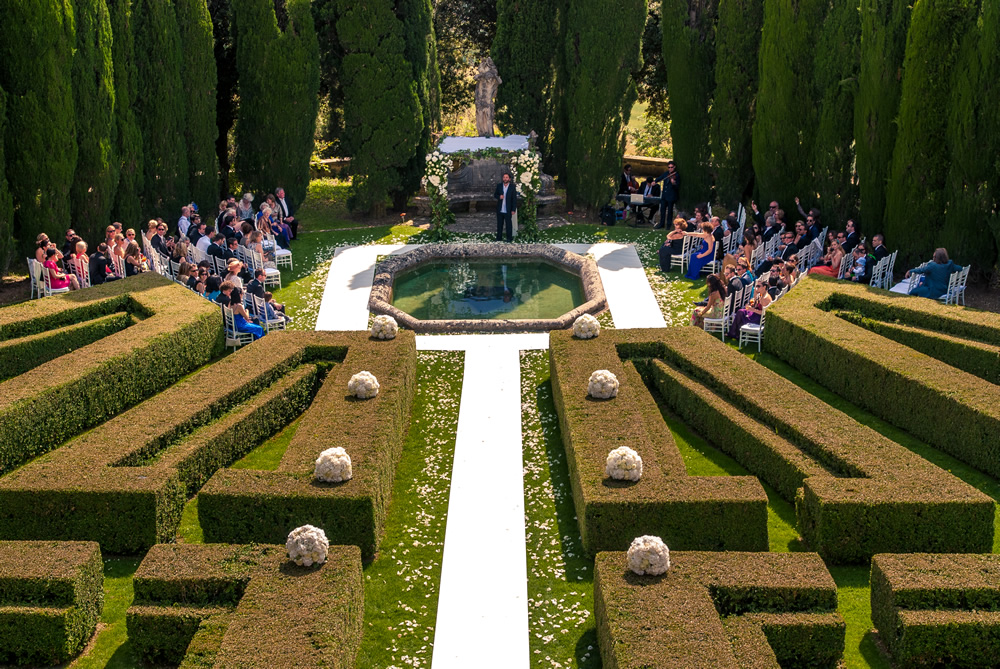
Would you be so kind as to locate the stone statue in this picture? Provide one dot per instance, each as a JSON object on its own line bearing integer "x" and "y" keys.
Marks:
{"x": 487, "y": 83}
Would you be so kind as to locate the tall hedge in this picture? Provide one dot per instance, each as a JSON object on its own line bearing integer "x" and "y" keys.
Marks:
{"x": 737, "y": 43}
{"x": 599, "y": 94}
{"x": 128, "y": 137}
{"x": 836, "y": 71}
{"x": 36, "y": 63}
{"x": 523, "y": 50}
{"x": 784, "y": 131}
{"x": 6, "y": 203}
{"x": 383, "y": 117}
{"x": 917, "y": 194}
{"x": 226, "y": 100}
{"x": 971, "y": 229}
{"x": 278, "y": 69}
{"x": 884, "y": 24}
{"x": 96, "y": 176}
{"x": 161, "y": 108}
{"x": 689, "y": 56}
{"x": 199, "y": 77}
{"x": 420, "y": 51}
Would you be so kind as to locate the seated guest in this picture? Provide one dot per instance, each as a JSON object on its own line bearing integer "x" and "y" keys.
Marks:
{"x": 813, "y": 227}
{"x": 713, "y": 307}
{"x": 732, "y": 281}
{"x": 674, "y": 244}
{"x": 256, "y": 286}
{"x": 184, "y": 222}
{"x": 858, "y": 271}
{"x": 180, "y": 251}
{"x": 133, "y": 259}
{"x": 225, "y": 293}
{"x": 235, "y": 268}
{"x": 217, "y": 249}
{"x": 275, "y": 310}
{"x": 185, "y": 273}
{"x": 193, "y": 233}
{"x": 58, "y": 279}
{"x": 241, "y": 317}
{"x": 851, "y": 236}
{"x": 205, "y": 234}
{"x": 101, "y": 268}
{"x": 43, "y": 244}
{"x": 213, "y": 286}
{"x": 109, "y": 236}
{"x": 719, "y": 234}
{"x": 221, "y": 213}
{"x": 745, "y": 273}
{"x": 829, "y": 264}
{"x": 880, "y": 251}
{"x": 70, "y": 244}
{"x": 937, "y": 273}
{"x": 751, "y": 313}
{"x": 119, "y": 247}
{"x": 286, "y": 211}
{"x": 198, "y": 279}
{"x": 159, "y": 242}
{"x": 801, "y": 235}
{"x": 244, "y": 208}
{"x": 786, "y": 250}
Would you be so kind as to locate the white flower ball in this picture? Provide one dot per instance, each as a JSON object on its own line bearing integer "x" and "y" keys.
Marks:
{"x": 333, "y": 466}
{"x": 307, "y": 545}
{"x": 623, "y": 464}
{"x": 435, "y": 180}
{"x": 648, "y": 555}
{"x": 526, "y": 178}
{"x": 586, "y": 327}
{"x": 603, "y": 385}
{"x": 385, "y": 327}
{"x": 363, "y": 385}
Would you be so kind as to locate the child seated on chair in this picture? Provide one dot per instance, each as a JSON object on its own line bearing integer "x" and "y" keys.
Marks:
{"x": 273, "y": 309}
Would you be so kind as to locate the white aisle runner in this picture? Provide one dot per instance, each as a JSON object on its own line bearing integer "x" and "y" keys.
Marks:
{"x": 482, "y": 616}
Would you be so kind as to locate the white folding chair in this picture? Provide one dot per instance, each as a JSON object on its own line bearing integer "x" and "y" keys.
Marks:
{"x": 119, "y": 264}
{"x": 254, "y": 260}
{"x": 175, "y": 268}
{"x": 260, "y": 310}
{"x": 36, "y": 286}
{"x": 845, "y": 263}
{"x": 956, "y": 287}
{"x": 234, "y": 337}
{"x": 890, "y": 269}
{"x": 719, "y": 324}
{"x": 753, "y": 332}
{"x": 282, "y": 257}
{"x": 47, "y": 282}
{"x": 83, "y": 274}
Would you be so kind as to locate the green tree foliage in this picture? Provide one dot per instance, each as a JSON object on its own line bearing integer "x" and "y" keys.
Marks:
{"x": 652, "y": 78}
{"x": 884, "y": 24}
{"x": 971, "y": 231}
{"x": 420, "y": 51}
{"x": 784, "y": 129}
{"x": 523, "y": 51}
{"x": 160, "y": 108}
{"x": 198, "y": 75}
{"x": 689, "y": 57}
{"x": 96, "y": 177}
{"x": 331, "y": 54}
{"x": 383, "y": 117}
{"x": 599, "y": 94}
{"x": 36, "y": 63}
{"x": 465, "y": 31}
{"x": 917, "y": 193}
{"x": 128, "y": 137}
{"x": 6, "y": 202}
{"x": 837, "y": 65}
{"x": 225, "y": 94}
{"x": 278, "y": 70}
{"x": 737, "y": 42}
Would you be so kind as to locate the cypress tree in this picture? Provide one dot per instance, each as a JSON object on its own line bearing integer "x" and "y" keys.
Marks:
{"x": 689, "y": 57}
{"x": 330, "y": 56}
{"x": 36, "y": 64}
{"x": 837, "y": 65}
{"x": 420, "y": 51}
{"x": 225, "y": 97}
{"x": 784, "y": 130}
{"x": 96, "y": 178}
{"x": 383, "y": 118}
{"x": 198, "y": 75}
{"x": 916, "y": 195}
{"x": 160, "y": 108}
{"x": 6, "y": 203}
{"x": 554, "y": 143}
{"x": 971, "y": 229}
{"x": 523, "y": 50}
{"x": 600, "y": 93}
{"x": 278, "y": 69}
{"x": 737, "y": 43}
{"x": 883, "y": 41}
{"x": 128, "y": 144}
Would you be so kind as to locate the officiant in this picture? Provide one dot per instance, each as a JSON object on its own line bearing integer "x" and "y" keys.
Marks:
{"x": 506, "y": 197}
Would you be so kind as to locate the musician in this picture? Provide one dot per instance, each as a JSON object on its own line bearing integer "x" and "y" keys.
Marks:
{"x": 671, "y": 192}
{"x": 627, "y": 183}
{"x": 649, "y": 188}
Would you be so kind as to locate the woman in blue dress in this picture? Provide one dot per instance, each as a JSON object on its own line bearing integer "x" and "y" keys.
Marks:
{"x": 240, "y": 316}
{"x": 936, "y": 273}
{"x": 705, "y": 254}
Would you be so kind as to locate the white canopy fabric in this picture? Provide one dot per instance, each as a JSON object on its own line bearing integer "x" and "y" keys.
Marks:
{"x": 509, "y": 143}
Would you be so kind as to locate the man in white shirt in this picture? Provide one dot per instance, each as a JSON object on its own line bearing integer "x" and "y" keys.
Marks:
{"x": 184, "y": 222}
{"x": 506, "y": 197}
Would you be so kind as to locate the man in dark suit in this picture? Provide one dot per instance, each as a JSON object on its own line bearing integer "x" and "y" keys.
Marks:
{"x": 880, "y": 251}
{"x": 286, "y": 212}
{"x": 786, "y": 250}
{"x": 256, "y": 286}
{"x": 670, "y": 193}
{"x": 649, "y": 188}
{"x": 217, "y": 249}
{"x": 100, "y": 266}
{"x": 852, "y": 238}
{"x": 506, "y": 197}
{"x": 160, "y": 243}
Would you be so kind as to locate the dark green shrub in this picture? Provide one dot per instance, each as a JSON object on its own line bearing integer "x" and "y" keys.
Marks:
{"x": 6, "y": 203}
{"x": 128, "y": 143}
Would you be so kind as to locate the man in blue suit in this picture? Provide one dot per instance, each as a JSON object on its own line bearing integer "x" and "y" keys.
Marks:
{"x": 669, "y": 193}
{"x": 506, "y": 197}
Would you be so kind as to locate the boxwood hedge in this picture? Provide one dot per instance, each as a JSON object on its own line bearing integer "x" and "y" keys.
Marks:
{"x": 128, "y": 479}
{"x": 857, "y": 493}
{"x": 718, "y": 610}
{"x": 938, "y": 610}
{"x": 51, "y": 596}
{"x": 951, "y": 409}
{"x": 246, "y": 606}
{"x": 242, "y": 505}
{"x": 688, "y": 512}
{"x": 103, "y": 367}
